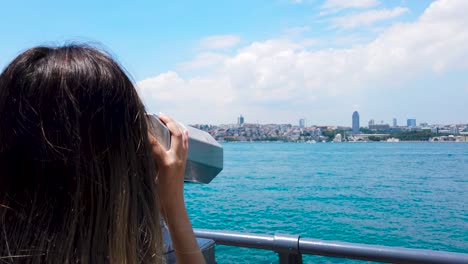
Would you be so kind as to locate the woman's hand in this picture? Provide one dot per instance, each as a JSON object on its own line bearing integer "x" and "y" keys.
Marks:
{"x": 170, "y": 188}
{"x": 171, "y": 165}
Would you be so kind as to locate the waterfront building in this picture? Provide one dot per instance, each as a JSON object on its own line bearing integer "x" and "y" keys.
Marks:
{"x": 411, "y": 122}
{"x": 338, "y": 138}
{"x": 371, "y": 122}
{"x": 240, "y": 120}
{"x": 355, "y": 122}
{"x": 379, "y": 127}
{"x": 302, "y": 123}
{"x": 317, "y": 132}
{"x": 395, "y": 124}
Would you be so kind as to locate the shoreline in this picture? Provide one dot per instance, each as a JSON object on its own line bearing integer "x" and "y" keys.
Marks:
{"x": 321, "y": 142}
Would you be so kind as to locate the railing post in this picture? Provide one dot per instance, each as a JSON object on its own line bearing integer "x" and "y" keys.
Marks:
{"x": 289, "y": 249}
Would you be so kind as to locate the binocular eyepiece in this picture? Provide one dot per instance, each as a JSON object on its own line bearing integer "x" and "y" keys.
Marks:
{"x": 205, "y": 154}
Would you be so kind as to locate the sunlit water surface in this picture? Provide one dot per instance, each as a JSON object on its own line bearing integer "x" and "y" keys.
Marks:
{"x": 396, "y": 194}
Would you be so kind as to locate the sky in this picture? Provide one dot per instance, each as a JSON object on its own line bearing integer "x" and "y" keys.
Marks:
{"x": 276, "y": 61}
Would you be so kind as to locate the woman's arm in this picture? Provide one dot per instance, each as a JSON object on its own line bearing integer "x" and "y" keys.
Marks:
{"x": 170, "y": 187}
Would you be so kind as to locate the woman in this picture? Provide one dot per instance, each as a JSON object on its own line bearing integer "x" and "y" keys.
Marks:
{"x": 81, "y": 178}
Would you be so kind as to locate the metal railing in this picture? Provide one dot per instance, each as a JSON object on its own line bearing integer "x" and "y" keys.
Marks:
{"x": 290, "y": 248}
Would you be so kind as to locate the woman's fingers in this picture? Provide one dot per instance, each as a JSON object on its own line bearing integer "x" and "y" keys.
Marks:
{"x": 185, "y": 139}
{"x": 177, "y": 140}
{"x": 158, "y": 150}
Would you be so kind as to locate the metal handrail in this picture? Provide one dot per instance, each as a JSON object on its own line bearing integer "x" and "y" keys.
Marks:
{"x": 290, "y": 248}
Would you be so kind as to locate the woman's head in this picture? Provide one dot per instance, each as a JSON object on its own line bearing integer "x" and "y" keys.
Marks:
{"x": 76, "y": 171}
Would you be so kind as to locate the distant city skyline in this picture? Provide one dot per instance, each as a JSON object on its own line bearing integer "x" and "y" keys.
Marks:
{"x": 353, "y": 123}
{"x": 248, "y": 132}
{"x": 272, "y": 61}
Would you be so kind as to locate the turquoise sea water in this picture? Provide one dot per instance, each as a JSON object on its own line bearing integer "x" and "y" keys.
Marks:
{"x": 396, "y": 194}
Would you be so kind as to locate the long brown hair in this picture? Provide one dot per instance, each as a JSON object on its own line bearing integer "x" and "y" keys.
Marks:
{"x": 76, "y": 169}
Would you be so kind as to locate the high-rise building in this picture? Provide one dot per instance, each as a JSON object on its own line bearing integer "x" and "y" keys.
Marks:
{"x": 240, "y": 120}
{"x": 355, "y": 122}
{"x": 395, "y": 122}
{"x": 302, "y": 123}
{"x": 411, "y": 122}
{"x": 454, "y": 130}
{"x": 371, "y": 122}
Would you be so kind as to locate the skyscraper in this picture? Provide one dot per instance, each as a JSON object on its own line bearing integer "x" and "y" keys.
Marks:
{"x": 302, "y": 123}
{"x": 240, "y": 120}
{"x": 355, "y": 122}
{"x": 395, "y": 122}
{"x": 411, "y": 122}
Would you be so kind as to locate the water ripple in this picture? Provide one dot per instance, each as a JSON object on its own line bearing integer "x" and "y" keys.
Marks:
{"x": 406, "y": 194}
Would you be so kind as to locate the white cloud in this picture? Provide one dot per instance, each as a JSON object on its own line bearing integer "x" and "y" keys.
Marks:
{"x": 203, "y": 60}
{"x": 219, "y": 41}
{"x": 309, "y": 42}
{"x": 344, "y": 4}
{"x": 275, "y": 79}
{"x": 171, "y": 94}
{"x": 367, "y": 18}
{"x": 353, "y": 39}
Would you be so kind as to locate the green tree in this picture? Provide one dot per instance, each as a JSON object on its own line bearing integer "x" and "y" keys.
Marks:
{"x": 414, "y": 135}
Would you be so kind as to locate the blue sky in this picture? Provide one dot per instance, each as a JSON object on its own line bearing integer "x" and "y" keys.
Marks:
{"x": 272, "y": 61}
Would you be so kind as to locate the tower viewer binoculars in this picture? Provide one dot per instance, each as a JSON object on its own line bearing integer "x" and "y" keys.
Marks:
{"x": 205, "y": 154}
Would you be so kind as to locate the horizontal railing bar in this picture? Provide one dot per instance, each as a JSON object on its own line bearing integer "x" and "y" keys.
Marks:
{"x": 378, "y": 253}
{"x": 238, "y": 239}
{"x": 334, "y": 248}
